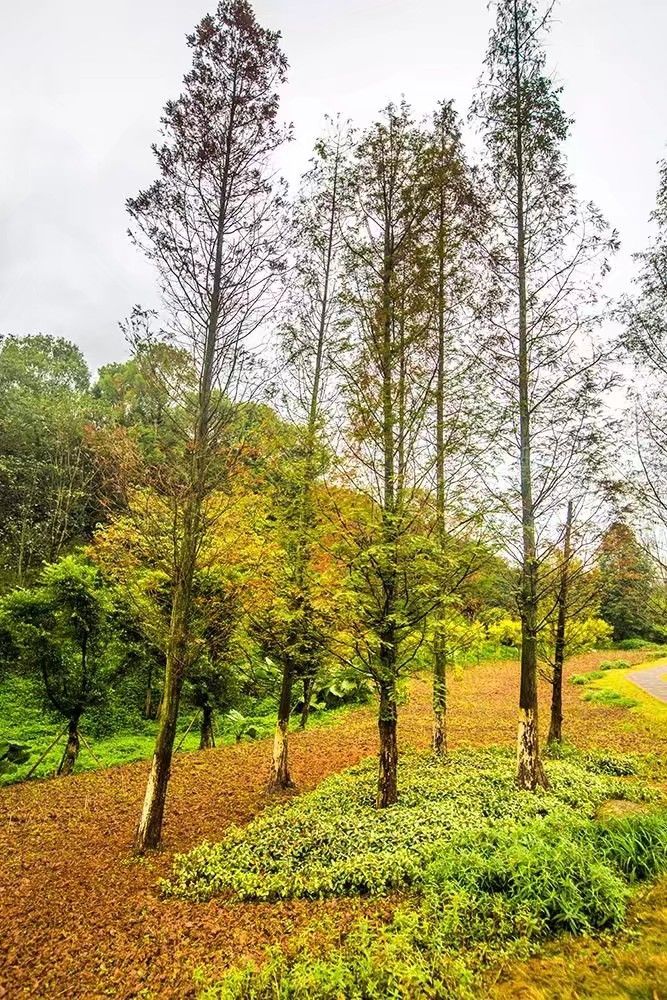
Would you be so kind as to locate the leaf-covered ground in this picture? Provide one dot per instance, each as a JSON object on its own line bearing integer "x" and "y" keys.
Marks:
{"x": 79, "y": 918}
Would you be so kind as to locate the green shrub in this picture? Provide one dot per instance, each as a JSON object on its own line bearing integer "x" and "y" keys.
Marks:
{"x": 334, "y": 842}
{"x": 614, "y": 665}
{"x": 611, "y": 698}
{"x": 592, "y": 675}
{"x": 488, "y": 897}
{"x": 629, "y": 644}
{"x": 636, "y": 845}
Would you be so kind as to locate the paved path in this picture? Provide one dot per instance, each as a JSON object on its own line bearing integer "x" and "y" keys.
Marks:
{"x": 652, "y": 680}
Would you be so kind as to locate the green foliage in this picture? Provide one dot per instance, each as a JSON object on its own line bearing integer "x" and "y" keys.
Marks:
{"x": 611, "y": 698}
{"x": 334, "y": 842}
{"x": 581, "y": 679}
{"x": 627, "y": 584}
{"x": 11, "y": 755}
{"x": 67, "y": 632}
{"x": 485, "y": 893}
{"x": 47, "y": 495}
{"x": 614, "y": 665}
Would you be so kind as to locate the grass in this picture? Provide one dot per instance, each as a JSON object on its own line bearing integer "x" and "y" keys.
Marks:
{"x": 615, "y": 689}
{"x": 24, "y": 720}
{"x": 632, "y": 964}
{"x": 489, "y": 872}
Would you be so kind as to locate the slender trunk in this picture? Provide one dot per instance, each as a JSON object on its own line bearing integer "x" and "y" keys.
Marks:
{"x": 280, "y": 776}
{"x": 387, "y": 790}
{"x": 530, "y": 773}
{"x": 440, "y": 697}
{"x": 207, "y": 737}
{"x": 72, "y": 746}
{"x": 308, "y": 686}
{"x": 149, "y": 830}
{"x": 439, "y": 651}
{"x": 556, "y": 724}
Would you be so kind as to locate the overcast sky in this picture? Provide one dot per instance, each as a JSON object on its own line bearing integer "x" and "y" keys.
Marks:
{"x": 82, "y": 84}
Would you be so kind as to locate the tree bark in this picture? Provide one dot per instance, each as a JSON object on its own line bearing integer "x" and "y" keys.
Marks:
{"x": 207, "y": 736}
{"x": 440, "y": 698}
{"x": 556, "y": 723}
{"x": 387, "y": 790}
{"x": 72, "y": 746}
{"x": 280, "y": 776}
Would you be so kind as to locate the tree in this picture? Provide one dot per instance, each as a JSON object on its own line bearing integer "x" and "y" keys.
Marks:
{"x": 386, "y": 393}
{"x": 547, "y": 255}
{"x": 68, "y": 631}
{"x": 307, "y": 339}
{"x": 210, "y": 225}
{"x": 46, "y": 475}
{"x": 627, "y": 583}
{"x": 449, "y": 226}
{"x": 645, "y": 316}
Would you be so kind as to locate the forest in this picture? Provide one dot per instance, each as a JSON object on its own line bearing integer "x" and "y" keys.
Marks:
{"x": 282, "y": 589}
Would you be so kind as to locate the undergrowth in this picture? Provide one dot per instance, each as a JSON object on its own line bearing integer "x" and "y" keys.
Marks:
{"x": 490, "y": 871}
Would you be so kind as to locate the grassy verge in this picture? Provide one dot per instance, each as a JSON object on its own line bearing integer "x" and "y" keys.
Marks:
{"x": 615, "y": 689}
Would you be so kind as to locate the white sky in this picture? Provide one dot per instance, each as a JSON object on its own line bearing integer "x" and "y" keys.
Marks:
{"x": 82, "y": 84}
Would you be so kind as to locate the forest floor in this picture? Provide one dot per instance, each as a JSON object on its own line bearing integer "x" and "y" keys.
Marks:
{"x": 81, "y": 918}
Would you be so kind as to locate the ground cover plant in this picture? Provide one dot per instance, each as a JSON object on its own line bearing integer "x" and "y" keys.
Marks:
{"x": 334, "y": 842}
{"x": 489, "y": 870}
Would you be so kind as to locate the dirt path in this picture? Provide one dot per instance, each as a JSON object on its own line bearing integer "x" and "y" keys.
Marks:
{"x": 652, "y": 680}
{"x": 80, "y": 918}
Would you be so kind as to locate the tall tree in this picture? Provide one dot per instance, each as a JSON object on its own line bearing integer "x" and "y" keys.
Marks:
{"x": 210, "y": 226}
{"x": 645, "y": 316}
{"x": 449, "y": 278}
{"x": 547, "y": 254}
{"x": 307, "y": 339}
{"x": 386, "y": 390}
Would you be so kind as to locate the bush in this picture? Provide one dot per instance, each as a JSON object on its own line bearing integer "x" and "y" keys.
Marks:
{"x": 614, "y": 665}
{"x": 334, "y": 842}
{"x": 611, "y": 698}
{"x": 487, "y": 897}
{"x": 592, "y": 675}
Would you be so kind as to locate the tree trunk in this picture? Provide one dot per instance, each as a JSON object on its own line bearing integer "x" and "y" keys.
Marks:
{"x": 530, "y": 773}
{"x": 280, "y": 776}
{"x": 72, "y": 747}
{"x": 149, "y": 830}
{"x": 207, "y": 736}
{"x": 440, "y": 698}
{"x": 308, "y": 686}
{"x": 387, "y": 791}
{"x": 556, "y": 724}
